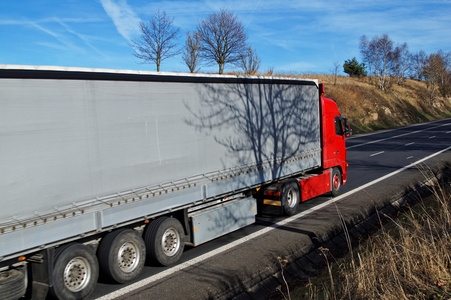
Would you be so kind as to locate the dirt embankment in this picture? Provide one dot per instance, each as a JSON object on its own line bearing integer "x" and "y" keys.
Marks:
{"x": 370, "y": 108}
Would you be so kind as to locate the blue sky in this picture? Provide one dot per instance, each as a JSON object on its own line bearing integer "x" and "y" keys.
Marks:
{"x": 291, "y": 36}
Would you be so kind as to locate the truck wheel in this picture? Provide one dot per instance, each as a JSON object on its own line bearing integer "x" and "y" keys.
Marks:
{"x": 12, "y": 284}
{"x": 121, "y": 255}
{"x": 336, "y": 182}
{"x": 75, "y": 272}
{"x": 165, "y": 240}
{"x": 290, "y": 198}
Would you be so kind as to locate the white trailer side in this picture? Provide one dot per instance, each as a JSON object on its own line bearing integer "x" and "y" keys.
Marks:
{"x": 83, "y": 150}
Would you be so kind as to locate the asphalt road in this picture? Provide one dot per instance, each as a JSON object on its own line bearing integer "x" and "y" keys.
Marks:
{"x": 380, "y": 164}
{"x": 375, "y": 155}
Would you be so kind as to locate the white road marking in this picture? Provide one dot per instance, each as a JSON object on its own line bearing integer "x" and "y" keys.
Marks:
{"x": 410, "y": 144}
{"x": 396, "y": 136}
{"x": 431, "y": 137}
{"x": 254, "y": 235}
{"x": 377, "y": 153}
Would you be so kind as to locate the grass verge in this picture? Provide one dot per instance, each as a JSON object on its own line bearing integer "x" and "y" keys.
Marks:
{"x": 409, "y": 258}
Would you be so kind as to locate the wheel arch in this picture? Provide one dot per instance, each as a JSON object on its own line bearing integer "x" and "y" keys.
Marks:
{"x": 289, "y": 180}
{"x": 182, "y": 216}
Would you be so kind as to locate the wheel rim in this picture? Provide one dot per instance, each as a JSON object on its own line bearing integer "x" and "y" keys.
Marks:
{"x": 77, "y": 274}
{"x": 292, "y": 198}
{"x": 337, "y": 182}
{"x": 128, "y": 257}
{"x": 170, "y": 242}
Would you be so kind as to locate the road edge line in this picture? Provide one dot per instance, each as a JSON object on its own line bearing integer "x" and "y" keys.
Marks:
{"x": 191, "y": 262}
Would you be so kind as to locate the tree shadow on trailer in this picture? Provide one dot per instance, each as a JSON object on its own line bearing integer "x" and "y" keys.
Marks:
{"x": 262, "y": 125}
{"x": 268, "y": 129}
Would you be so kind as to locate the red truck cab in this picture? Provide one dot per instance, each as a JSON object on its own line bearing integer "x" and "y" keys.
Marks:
{"x": 285, "y": 196}
{"x": 334, "y": 129}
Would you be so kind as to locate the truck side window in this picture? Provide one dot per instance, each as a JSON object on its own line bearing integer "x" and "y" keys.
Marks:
{"x": 338, "y": 126}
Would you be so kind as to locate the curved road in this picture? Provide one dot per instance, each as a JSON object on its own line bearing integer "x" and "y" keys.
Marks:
{"x": 380, "y": 164}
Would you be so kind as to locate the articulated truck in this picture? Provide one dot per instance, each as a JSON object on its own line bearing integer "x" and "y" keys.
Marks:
{"x": 105, "y": 171}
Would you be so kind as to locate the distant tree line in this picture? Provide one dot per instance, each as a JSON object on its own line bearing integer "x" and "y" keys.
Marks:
{"x": 220, "y": 39}
{"x": 386, "y": 62}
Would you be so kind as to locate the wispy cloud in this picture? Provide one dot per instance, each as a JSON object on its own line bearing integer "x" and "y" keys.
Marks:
{"x": 295, "y": 66}
{"x": 64, "y": 37}
{"x": 56, "y": 46}
{"x": 52, "y": 27}
{"x": 43, "y": 29}
{"x": 25, "y": 21}
{"x": 287, "y": 34}
{"x": 123, "y": 17}
{"x": 78, "y": 35}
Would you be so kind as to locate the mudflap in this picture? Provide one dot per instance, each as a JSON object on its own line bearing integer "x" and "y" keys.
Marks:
{"x": 41, "y": 268}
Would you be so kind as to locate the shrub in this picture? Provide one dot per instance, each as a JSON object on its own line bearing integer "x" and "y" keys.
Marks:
{"x": 353, "y": 68}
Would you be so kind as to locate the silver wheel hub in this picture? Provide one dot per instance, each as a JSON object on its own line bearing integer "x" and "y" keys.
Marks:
{"x": 170, "y": 242}
{"x": 77, "y": 274}
{"x": 128, "y": 257}
{"x": 292, "y": 198}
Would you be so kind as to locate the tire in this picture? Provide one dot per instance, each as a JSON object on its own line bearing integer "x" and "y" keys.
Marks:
{"x": 75, "y": 272}
{"x": 165, "y": 240}
{"x": 13, "y": 284}
{"x": 336, "y": 182}
{"x": 122, "y": 255}
{"x": 290, "y": 198}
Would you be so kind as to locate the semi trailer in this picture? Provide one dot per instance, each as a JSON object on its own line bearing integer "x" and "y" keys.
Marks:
{"x": 106, "y": 171}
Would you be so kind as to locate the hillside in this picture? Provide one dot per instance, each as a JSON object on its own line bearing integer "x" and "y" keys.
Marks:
{"x": 370, "y": 109}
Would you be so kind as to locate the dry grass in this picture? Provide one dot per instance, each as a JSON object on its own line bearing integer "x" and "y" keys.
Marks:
{"x": 370, "y": 109}
{"x": 408, "y": 259}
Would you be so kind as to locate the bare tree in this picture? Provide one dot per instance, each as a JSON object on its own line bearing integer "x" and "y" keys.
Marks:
{"x": 222, "y": 38}
{"x": 378, "y": 53}
{"x": 417, "y": 62}
{"x": 445, "y": 88}
{"x": 367, "y": 53}
{"x": 385, "y": 51}
{"x": 191, "y": 52}
{"x": 445, "y": 82}
{"x": 437, "y": 72}
{"x": 433, "y": 72}
{"x": 400, "y": 61}
{"x": 335, "y": 71}
{"x": 156, "y": 41}
{"x": 250, "y": 62}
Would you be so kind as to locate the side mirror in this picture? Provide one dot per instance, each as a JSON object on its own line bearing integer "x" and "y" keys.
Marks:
{"x": 347, "y": 127}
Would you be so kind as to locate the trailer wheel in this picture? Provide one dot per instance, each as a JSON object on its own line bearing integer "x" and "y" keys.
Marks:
{"x": 13, "y": 284}
{"x": 75, "y": 272}
{"x": 121, "y": 255}
{"x": 336, "y": 182}
{"x": 290, "y": 198}
{"x": 165, "y": 240}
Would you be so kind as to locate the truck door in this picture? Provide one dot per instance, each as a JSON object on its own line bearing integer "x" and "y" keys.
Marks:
{"x": 334, "y": 131}
{"x": 339, "y": 152}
